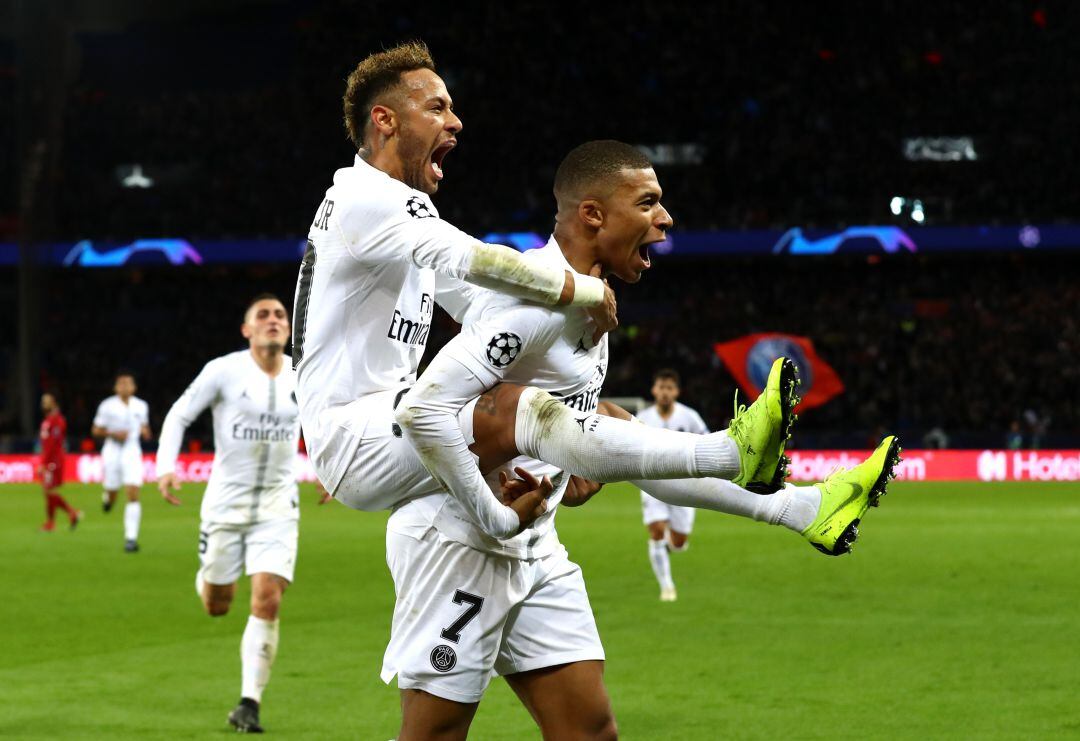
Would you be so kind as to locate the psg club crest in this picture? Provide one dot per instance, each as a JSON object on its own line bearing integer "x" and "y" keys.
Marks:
{"x": 443, "y": 658}
{"x": 750, "y": 357}
{"x": 503, "y": 349}
{"x": 418, "y": 209}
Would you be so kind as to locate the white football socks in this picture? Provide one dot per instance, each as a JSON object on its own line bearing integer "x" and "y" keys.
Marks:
{"x": 661, "y": 563}
{"x": 257, "y": 650}
{"x": 793, "y": 507}
{"x": 132, "y": 518}
{"x": 607, "y": 449}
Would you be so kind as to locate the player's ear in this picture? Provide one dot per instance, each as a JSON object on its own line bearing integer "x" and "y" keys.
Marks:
{"x": 591, "y": 213}
{"x": 245, "y": 330}
{"x": 383, "y": 119}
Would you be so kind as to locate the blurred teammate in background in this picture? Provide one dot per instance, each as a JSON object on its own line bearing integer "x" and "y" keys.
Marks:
{"x": 669, "y": 525}
{"x": 121, "y": 420}
{"x": 250, "y": 510}
{"x": 51, "y": 466}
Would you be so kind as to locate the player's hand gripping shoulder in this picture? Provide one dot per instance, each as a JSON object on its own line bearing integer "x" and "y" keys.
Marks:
{"x": 605, "y": 316}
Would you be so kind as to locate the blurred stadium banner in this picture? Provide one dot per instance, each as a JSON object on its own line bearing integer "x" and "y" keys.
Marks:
{"x": 806, "y": 465}
{"x": 87, "y": 468}
{"x": 870, "y": 239}
{"x": 750, "y": 357}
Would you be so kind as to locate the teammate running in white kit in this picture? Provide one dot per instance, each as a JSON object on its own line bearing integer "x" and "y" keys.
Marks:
{"x": 250, "y": 510}
{"x": 669, "y": 525}
{"x": 122, "y": 420}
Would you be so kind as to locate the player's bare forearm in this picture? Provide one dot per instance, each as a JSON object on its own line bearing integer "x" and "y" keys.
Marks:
{"x": 428, "y": 418}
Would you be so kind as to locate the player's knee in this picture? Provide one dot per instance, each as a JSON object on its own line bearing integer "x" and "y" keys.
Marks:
{"x": 216, "y": 606}
{"x": 657, "y": 530}
{"x": 266, "y": 608}
{"x": 678, "y": 540}
{"x": 598, "y": 725}
{"x": 606, "y": 729}
{"x": 265, "y": 603}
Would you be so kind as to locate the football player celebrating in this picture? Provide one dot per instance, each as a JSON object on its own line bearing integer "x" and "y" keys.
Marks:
{"x": 250, "y": 510}
{"x": 469, "y": 605}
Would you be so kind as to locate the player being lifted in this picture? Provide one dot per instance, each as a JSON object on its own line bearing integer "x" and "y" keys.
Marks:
{"x": 51, "y": 466}
{"x": 121, "y": 420}
{"x": 668, "y": 525}
{"x": 250, "y": 510}
{"x": 469, "y": 605}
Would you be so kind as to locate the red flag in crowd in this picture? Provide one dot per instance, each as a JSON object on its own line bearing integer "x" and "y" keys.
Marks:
{"x": 749, "y": 359}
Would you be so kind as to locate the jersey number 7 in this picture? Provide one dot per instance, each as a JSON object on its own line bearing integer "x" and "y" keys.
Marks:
{"x": 453, "y": 631}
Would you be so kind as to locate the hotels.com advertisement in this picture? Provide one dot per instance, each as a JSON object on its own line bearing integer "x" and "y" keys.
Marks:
{"x": 806, "y": 465}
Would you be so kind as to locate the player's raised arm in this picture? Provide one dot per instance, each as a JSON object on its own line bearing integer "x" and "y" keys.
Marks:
{"x": 446, "y": 249}
{"x": 202, "y": 392}
{"x": 465, "y": 368}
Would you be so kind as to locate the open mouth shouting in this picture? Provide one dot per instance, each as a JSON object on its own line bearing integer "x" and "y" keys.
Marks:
{"x": 438, "y": 155}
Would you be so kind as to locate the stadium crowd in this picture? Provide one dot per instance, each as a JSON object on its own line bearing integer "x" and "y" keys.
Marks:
{"x": 787, "y": 119}
{"x": 920, "y": 343}
{"x": 796, "y": 119}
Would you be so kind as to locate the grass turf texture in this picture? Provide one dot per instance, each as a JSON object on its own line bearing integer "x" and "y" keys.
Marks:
{"x": 955, "y": 617}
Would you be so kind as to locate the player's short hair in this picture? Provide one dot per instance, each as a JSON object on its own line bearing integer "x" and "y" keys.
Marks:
{"x": 264, "y": 296}
{"x": 669, "y": 374}
{"x": 596, "y": 161}
{"x": 121, "y": 372}
{"x": 376, "y": 74}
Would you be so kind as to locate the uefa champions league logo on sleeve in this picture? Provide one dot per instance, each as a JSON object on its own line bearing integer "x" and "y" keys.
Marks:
{"x": 503, "y": 348}
{"x": 417, "y": 209}
{"x": 765, "y": 351}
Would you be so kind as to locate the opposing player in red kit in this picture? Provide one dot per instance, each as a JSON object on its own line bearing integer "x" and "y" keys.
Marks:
{"x": 51, "y": 469}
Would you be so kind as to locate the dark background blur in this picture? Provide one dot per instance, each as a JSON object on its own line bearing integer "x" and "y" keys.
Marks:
{"x": 786, "y": 115}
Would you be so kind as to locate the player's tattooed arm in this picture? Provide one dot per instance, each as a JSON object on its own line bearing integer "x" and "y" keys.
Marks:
{"x": 486, "y": 404}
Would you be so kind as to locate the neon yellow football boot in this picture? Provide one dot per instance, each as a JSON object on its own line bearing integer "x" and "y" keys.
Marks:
{"x": 762, "y": 430}
{"x": 847, "y": 494}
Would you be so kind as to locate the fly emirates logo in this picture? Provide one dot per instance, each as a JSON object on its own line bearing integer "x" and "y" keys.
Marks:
{"x": 271, "y": 428}
{"x": 413, "y": 330}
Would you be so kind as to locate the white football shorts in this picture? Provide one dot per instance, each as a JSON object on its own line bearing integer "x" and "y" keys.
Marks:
{"x": 679, "y": 519}
{"x": 384, "y": 469}
{"x": 226, "y": 551}
{"x": 463, "y": 615}
{"x": 123, "y": 467}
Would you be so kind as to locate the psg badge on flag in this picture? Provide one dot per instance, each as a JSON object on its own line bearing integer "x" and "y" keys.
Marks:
{"x": 750, "y": 357}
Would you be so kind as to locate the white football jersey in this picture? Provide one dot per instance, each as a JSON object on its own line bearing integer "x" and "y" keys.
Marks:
{"x": 116, "y": 416}
{"x": 366, "y": 295}
{"x": 256, "y": 434}
{"x": 682, "y": 419}
{"x": 505, "y": 339}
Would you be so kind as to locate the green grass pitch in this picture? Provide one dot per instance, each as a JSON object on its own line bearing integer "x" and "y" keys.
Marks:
{"x": 958, "y": 616}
